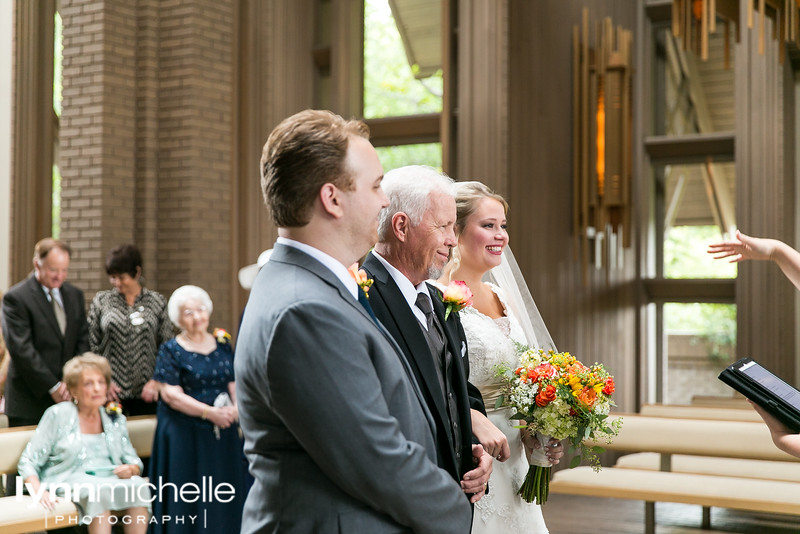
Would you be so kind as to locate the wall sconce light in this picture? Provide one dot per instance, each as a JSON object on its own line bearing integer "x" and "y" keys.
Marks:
{"x": 602, "y": 105}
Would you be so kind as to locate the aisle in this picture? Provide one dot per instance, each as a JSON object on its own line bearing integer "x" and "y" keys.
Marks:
{"x": 566, "y": 514}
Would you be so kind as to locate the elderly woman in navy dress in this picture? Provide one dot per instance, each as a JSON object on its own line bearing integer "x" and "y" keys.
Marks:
{"x": 197, "y": 439}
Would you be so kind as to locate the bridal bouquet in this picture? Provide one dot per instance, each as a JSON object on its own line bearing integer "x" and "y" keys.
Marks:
{"x": 558, "y": 397}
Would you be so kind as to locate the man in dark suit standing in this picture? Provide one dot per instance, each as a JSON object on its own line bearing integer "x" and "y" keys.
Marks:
{"x": 44, "y": 325}
{"x": 336, "y": 433}
{"x": 415, "y": 236}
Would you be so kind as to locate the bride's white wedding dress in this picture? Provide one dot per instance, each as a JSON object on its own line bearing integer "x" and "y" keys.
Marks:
{"x": 490, "y": 342}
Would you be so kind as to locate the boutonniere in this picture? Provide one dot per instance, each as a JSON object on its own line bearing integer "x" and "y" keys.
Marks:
{"x": 360, "y": 276}
{"x": 456, "y": 297}
{"x": 222, "y": 335}
{"x": 113, "y": 409}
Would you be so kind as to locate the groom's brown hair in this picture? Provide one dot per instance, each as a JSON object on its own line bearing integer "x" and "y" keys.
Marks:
{"x": 304, "y": 152}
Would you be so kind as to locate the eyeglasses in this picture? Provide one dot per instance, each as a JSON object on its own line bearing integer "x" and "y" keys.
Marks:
{"x": 189, "y": 312}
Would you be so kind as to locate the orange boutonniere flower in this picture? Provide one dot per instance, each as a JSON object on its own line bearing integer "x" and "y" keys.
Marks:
{"x": 222, "y": 335}
{"x": 456, "y": 297}
{"x": 360, "y": 276}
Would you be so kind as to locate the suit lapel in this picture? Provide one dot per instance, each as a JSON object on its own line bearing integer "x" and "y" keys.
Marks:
{"x": 454, "y": 342}
{"x": 409, "y": 334}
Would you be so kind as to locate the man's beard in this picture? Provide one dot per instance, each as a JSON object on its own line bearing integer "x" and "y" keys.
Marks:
{"x": 434, "y": 272}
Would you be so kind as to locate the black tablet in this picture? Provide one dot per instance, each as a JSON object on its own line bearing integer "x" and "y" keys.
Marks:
{"x": 765, "y": 389}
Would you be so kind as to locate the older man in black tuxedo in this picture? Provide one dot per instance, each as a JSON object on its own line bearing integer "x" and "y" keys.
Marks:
{"x": 415, "y": 235}
{"x": 44, "y": 325}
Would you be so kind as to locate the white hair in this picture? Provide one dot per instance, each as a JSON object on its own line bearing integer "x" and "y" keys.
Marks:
{"x": 408, "y": 189}
{"x": 179, "y": 298}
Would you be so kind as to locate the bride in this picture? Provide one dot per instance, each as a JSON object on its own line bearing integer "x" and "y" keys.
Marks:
{"x": 502, "y": 313}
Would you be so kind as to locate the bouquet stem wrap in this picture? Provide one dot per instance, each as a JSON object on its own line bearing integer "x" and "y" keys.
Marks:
{"x": 537, "y": 482}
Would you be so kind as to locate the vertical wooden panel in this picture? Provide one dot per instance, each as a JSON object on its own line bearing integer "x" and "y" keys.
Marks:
{"x": 276, "y": 79}
{"x": 483, "y": 57}
{"x": 32, "y": 157}
{"x": 596, "y": 322}
{"x": 766, "y": 206}
{"x": 347, "y": 57}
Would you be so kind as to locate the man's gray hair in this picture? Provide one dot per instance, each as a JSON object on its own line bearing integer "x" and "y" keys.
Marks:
{"x": 408, "y": 189}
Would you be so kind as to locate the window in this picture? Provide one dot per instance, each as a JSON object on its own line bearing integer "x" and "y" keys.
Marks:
{"x": 692, "y": 315}
{"x": 403, "y": 81}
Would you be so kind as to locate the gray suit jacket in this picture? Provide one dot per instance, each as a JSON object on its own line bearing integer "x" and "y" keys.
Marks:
{"x": 336, "y": 433}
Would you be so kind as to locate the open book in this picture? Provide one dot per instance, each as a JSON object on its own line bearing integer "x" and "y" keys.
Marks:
{"x": 759, "y": 385}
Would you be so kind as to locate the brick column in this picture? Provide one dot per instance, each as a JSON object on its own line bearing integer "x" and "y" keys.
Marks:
{"x": 195, "y": 133}
{"x": 97, "y": 134}
{"x": 147, "y": 141}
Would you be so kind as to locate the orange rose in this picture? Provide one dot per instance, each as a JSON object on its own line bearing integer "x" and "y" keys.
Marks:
{"x": 546, "y": 395}
{"x": 587, "y": 396}
{"x": 609, "y": 387}
{"x": 532, "y": 375}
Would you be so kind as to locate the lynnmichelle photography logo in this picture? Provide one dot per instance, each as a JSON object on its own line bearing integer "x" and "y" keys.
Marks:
{"x": 190, "y": 492}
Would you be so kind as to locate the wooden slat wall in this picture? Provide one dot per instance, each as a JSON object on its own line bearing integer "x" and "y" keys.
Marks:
{"x": 32, "y": 156}
{"x": 765, "y": 203}
{"x": 483, "y": 94}
{"x": 597, "y": 322}
{"x": 276, "y": 77}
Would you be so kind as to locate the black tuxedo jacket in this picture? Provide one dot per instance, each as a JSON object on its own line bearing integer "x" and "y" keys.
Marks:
{"x": 37, "y": 348}
{"x": 393, "y": 311}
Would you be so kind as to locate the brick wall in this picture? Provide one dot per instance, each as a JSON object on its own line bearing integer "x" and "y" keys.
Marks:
{"x": 195, "y": 124}
{"x": 146, "y": 141}
{"x": 97, "y": 134}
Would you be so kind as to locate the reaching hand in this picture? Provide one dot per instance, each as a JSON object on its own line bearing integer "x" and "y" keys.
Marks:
{"x": 744, "y": 247}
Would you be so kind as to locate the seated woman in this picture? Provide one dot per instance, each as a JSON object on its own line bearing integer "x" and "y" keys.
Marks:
{"x": 83, "y": 446}
{"x": 197, "y": 439}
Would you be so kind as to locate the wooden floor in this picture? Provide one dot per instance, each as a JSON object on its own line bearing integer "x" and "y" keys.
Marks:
{"x": 567, "y": 514}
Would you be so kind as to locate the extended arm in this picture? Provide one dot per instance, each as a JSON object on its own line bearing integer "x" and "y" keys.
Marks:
{"x": 744, "y": 247}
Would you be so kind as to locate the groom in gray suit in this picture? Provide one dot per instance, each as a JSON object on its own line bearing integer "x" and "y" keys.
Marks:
{"x": 336, "y": 431}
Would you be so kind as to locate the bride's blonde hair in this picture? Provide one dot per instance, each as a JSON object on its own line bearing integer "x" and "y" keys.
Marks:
{"x": 468, "y": 196}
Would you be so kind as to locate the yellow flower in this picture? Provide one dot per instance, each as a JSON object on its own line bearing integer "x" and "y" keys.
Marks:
{"x": 222, "y": 335}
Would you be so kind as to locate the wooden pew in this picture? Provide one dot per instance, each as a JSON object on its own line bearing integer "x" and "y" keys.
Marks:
{"x": 666, "y": 437}
{"x": 692, "y": 411}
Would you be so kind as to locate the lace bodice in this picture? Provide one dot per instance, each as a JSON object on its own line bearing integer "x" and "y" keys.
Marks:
{"x": 490, "y": 342}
